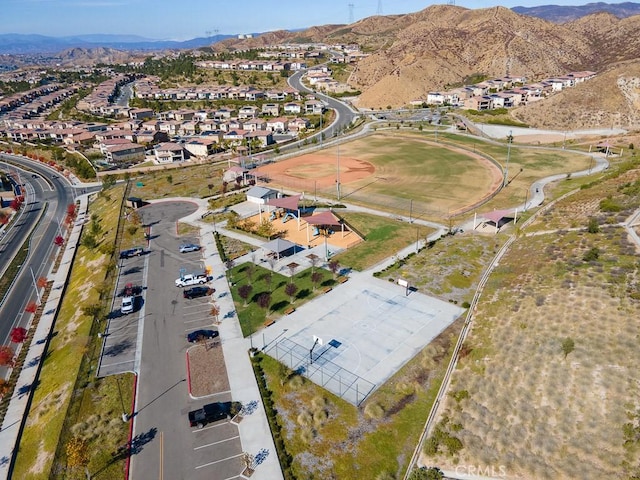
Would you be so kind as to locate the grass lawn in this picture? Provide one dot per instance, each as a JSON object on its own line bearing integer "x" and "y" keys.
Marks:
{"x": 94, "y": 401}
{"x": 383, "y": 237}
{"x": 250, "y": 314}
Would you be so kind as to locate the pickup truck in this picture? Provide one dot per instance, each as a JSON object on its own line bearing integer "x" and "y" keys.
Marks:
{"x": 193, "y": 279}
{"x": 211, "y": 412}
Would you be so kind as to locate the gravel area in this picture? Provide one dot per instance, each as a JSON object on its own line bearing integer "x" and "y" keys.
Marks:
{"x": 207, "y": 370}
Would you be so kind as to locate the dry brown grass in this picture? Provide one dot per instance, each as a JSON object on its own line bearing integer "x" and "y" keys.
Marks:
{"x": 530, "y": 409}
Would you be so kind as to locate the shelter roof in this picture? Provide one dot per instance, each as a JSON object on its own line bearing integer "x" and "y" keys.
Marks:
{"x": 323, "y": 218}
{"x": 497, "y": 215}
{"x": 278, "y": 245}
{"x": 290, "y": 203}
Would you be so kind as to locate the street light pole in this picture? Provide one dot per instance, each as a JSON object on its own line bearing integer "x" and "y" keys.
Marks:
{"x": 506, "y": 168}
{"x": 35, "y": 284}
{"x": 338, "y": 173}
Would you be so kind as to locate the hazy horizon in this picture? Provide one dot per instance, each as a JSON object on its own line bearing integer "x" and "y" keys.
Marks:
{"x": 165, "y": 20}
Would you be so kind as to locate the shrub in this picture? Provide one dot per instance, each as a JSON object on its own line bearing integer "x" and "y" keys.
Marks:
{"x": 592, "y": 255}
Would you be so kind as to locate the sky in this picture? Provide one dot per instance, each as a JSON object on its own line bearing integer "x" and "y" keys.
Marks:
{"x": 185, "y": 19}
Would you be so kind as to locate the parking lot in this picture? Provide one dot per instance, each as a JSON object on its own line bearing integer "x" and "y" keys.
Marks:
{"x": 173, "y": 448}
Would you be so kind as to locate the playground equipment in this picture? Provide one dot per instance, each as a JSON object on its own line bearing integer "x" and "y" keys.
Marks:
{"x": 288, "y": 216}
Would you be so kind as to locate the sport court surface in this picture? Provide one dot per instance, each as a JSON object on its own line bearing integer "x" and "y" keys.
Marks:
{"x": 369, "y": 329}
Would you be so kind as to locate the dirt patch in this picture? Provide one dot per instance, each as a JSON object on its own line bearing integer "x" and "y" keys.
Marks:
{"x": 207, "y": 370}
{"x": 42, "y": 460}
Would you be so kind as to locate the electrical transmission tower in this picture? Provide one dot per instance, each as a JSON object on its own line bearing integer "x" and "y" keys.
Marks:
{"x": 350, "y": 13}
{"x": 451, "y": 2}
{"x": 379, "y": 12}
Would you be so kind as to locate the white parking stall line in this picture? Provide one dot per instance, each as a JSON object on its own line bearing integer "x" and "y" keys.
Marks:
{"x": 193, "y": 313}
{"x": 206, "y": 321}
{"x": 104, "y": 365}
{"x": 209, "y": 427}
{"x": 218, "y": 461}
{"x": 216, "y": 443}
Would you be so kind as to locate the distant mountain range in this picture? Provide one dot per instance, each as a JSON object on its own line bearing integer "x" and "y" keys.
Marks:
{"x": 17, "y": 44}
{"x": 39, "y": 44}
{"x": 562, "y": 14}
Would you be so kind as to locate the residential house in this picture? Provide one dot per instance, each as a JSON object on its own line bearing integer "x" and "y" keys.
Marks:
{"x": 141, "y": 113}
{"x": 272, "y": 109}
{"x": 125, "y": 153}
{"x": 255, "y": 124}
{"x": 278, "y": 125}
{"x": 299, "y": 124}
{"x": 169, "y": 152}
{"x": 248, "y": 111}
{"x": 150, "y": 137}
{"x": 264, "y": 137}
{"x": 201, "y": 147}
{"x": 315, "y": 107}
{"x": 292, "y": 108}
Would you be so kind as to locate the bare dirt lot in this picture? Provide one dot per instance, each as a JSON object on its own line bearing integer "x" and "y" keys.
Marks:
{"x": 207, "y": 371}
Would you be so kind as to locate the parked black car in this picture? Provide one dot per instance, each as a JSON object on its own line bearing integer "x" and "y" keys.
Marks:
{"x": 211, "y": 412}
{"x": 201, "y": 335}
{"x": 132, "y": 252}
{"x": 195, "y": 292}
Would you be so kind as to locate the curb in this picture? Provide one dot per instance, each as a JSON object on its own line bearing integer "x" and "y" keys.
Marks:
{"x": 189, "y": 374}
{"x": 127, "y": 467}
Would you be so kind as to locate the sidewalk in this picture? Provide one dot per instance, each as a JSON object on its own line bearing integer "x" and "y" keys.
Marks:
{"x": 255, "y": 434}
{"x": 16, "y": 414}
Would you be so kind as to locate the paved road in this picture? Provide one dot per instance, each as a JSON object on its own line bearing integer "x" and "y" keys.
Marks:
{"x": 54, "y": 194}
{"x": 345, "y": 114}
{"x": 170, "y": 449}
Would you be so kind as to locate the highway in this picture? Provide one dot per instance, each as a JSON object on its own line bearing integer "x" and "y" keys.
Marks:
{"x": 46, "y": 196}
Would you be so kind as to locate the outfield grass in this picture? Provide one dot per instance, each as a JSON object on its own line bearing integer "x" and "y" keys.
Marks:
{"x": 54, "y": 392}
{"x": 383, "y": 237}
{"x": 251, "y": 316}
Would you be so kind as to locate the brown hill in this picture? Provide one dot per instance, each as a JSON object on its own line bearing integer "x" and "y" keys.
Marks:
{"x": 442, "y": 45}
{"x": 611, "y": 100}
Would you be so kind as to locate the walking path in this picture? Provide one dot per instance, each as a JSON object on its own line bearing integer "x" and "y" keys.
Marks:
{"x": 16, "y": 413}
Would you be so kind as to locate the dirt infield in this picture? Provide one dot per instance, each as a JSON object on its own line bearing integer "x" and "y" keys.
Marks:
{"x": 319, "y": 168}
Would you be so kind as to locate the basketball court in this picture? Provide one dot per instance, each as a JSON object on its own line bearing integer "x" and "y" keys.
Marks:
{"x": 355, "y": 337}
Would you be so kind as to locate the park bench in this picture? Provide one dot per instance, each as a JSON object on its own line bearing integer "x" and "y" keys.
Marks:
{"x": 327, "y": 289}
{"x": 289, "y": 310}
{"x": 342, "y": 279}
{"x": 268, "y": 323}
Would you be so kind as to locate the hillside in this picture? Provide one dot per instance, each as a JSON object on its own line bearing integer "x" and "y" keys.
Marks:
{"x": 440, "y": 46}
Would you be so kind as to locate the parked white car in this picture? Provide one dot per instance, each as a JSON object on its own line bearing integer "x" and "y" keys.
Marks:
{"x": 127, "y": 305}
